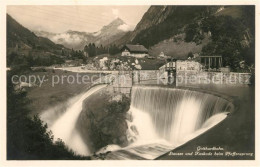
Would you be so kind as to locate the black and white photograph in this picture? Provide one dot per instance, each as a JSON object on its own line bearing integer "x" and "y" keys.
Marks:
{"x": 129, "y": 82}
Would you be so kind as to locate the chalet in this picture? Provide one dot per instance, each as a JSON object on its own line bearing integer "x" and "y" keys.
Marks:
{"x": 138, "y": 51}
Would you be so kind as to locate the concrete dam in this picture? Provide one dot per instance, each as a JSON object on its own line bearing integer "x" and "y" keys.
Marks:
{"x": 176, "y": 113}
{"x": 163, "y": 117}
{"x": 166, "y": 118}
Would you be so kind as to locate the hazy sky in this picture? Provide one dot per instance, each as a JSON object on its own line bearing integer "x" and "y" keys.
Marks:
{"x": 80, "y": 18}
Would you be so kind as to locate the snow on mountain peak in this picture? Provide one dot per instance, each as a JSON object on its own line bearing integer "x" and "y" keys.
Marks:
{"x": 124, "y": 27}
{"x": 97, "y": 33}
{"x": 77, "y": 39}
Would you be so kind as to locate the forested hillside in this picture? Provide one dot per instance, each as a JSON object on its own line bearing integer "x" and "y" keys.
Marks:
{"x": 24, "y": 47}
{"x": 208, "y": 30}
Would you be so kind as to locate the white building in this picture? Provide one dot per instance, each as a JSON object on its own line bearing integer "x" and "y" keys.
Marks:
{"x": 138, "y": 51}
{"x": 181, "y": 66}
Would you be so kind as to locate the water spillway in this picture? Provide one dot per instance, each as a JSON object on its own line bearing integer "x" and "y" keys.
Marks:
{"x": 64, "y": 127}
{"x": 162, "y": 119}
{"x": 176, "y": 115}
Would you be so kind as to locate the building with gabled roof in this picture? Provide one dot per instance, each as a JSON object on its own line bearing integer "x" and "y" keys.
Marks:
{"x": 138, "y": 51}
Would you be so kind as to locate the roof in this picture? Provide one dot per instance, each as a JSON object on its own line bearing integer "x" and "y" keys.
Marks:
{"x": 136, "y": 48}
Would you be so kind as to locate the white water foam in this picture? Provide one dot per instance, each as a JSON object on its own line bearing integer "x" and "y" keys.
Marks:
{"x": 65, "y": 126}
{"x": 174, "y": 115}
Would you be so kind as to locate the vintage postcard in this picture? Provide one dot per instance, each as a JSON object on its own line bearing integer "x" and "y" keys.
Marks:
{"x": 85, "y": 82}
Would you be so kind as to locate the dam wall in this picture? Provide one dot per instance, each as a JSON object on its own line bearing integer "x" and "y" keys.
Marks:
{"x": 231, "y": 78}
{"x": 175, "y": 114}
{"x": 122, "y": 81}
{"x": 165, "y": 118}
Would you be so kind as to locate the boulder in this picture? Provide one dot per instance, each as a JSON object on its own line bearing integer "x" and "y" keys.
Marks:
{"x": 138, "y": 66}
{"x": 104, "y": 121}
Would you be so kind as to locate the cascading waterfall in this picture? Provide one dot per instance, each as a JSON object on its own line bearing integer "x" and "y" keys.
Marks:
{"x": 176, "y": 115}
{"x": 163, "y": 117}
{"x": 65, "y": 126}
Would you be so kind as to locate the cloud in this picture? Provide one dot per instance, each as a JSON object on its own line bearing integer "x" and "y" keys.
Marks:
{"x": 124, "y": 27}
{"x": 67, "y": 38}
{"x": 115, "y": 12}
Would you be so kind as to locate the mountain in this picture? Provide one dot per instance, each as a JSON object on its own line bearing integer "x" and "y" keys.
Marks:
{"x": 178, "y": 30}
{"x": 113, "y": 31}
{"x": 26, "y": 48}
{"x": 70, "y": 39}
{"x": 22, "y": 38}
{"x": 163, "y": 22}
{"x": 154, "y": 16}
{"x": 77, "y": 40}
{"x": 161, "y": 29}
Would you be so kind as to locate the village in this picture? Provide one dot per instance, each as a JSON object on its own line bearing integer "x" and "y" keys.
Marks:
{"x": 136, "y": 82}
{"x": 137, "y": 58}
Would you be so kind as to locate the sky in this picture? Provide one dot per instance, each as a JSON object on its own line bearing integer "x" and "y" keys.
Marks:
{"x": 59, "y": 19}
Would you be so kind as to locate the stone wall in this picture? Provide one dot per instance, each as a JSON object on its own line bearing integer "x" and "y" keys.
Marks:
{"x": 144, "y": 75}
{"x": 124, "y": 80}
{"x": 188, "y": 65}
{"x": 231, "y": 78}
{"x": 121, "y": 82}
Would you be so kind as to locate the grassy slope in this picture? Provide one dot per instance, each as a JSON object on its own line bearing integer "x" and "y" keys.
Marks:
{"x": 181, "y": 49}
{"x": 176, "y": 49}
{"x": 47, "y": 96}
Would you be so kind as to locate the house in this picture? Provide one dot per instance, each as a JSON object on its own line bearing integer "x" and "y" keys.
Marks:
{"x": 181, "y": 66}
{"x": 137, "y": 51}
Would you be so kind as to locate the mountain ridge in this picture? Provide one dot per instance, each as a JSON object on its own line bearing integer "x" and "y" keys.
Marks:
{"x": 26, "y": 48}
{"x": 78, "y": 39}
{"x": 21, "y": 37}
